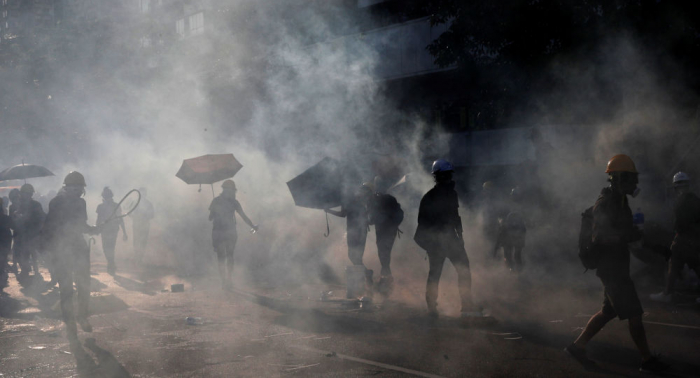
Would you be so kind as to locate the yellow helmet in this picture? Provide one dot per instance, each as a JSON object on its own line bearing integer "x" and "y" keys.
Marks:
{"x": 621, "y": 163}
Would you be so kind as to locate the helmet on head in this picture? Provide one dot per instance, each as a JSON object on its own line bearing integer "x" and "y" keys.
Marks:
{"x": 107, "y": 192}
{"x": 228, "y": 184}
{"x": 368, "y": 186}
{"x": 27, "y": 188}
{"x": 681, "y": 178}
{"x": 621, "y": 163}
{"x": 442, "y": 165}
{"x": 488, "y": 185}
{"x": 74, "y": 178}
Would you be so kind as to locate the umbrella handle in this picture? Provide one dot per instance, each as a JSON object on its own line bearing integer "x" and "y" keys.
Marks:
{"x": 328, "y": 227}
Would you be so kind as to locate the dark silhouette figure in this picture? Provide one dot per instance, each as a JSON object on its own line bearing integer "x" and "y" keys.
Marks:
{"x": 66, "y": 222}
{"x": 222, "y": 212}
{"x": 110, "y": 228}
{"x": 439, "y": 232}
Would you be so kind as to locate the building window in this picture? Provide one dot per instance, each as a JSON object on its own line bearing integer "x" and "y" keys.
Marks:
{"x": 197, "y": 23}
{"x": 180, "y": 27}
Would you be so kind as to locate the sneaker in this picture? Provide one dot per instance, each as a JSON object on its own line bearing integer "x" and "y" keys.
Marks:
{"x": 579, "y": 354}
{"x": 85, "y": 325}
{"x": 653, "y": 365}
{"x": 661, "y": 297}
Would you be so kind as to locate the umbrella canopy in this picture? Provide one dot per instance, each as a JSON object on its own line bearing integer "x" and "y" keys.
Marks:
{"x": 24, "y": 171}
{"x": 319, "y": 187}
{"x": 208, "y": 169}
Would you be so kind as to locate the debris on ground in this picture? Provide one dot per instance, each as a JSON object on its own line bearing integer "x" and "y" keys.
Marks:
{"x": 193, "y": 321}
{"x": 177, "y": 288}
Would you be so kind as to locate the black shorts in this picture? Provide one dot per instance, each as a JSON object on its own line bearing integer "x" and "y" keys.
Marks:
{"x": 620, "y": 298}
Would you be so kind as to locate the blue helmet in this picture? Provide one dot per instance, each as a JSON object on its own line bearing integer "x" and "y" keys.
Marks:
{"x": 442, "y": 165}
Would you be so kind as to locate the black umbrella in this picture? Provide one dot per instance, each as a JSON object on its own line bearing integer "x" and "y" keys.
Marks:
{"x": 24, "y": 171}
{"x": 319, "y": 187}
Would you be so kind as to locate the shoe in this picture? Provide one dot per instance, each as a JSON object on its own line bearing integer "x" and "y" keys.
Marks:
{"x": 385, "y": 285}
{"x": 433, "y": 313}
{"x": 85, "y": 325}
{"x": 661, "y": 297}
{"x": 579, "y": 354}
{"x": 653, "y": 365}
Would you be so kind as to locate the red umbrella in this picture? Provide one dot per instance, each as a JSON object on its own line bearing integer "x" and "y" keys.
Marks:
{"x": 208, "y": 169}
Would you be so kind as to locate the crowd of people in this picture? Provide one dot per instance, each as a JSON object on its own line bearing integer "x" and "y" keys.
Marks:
{"x": 57, "y": 236}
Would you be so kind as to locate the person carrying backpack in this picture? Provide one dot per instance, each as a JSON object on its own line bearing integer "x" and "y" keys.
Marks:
{"x": 685, "y": 248}
{"x": 612, "y": 230}
{"x": 386, "y": 215}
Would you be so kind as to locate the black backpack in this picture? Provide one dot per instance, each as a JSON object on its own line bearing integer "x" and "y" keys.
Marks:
{"x": 587, "y": 252}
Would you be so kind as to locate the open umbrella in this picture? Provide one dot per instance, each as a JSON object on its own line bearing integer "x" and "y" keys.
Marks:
{"x": 319, "y": 187}
{"x": 208, "y": 169}
{"x": 24, "y": 171}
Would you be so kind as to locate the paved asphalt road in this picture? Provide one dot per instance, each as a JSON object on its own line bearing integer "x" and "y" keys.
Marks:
{"x": 264, "y": 330}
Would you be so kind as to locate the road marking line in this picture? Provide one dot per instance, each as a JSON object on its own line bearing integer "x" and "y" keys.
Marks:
{"x": 673, "y": 325}
{"x": 373, "y": 363}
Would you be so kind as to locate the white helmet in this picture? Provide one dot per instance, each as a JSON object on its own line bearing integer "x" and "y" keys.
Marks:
{"x": 681, "y": 178}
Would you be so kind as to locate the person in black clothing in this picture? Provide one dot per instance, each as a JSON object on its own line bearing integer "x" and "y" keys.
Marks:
{"x": 6, "y": 227}
{"x": 110, "y": 228}
{"x": 612, "y": 231}
{"x": 222, "y": 212}
{"x": 685, "y": 248}
{"x": 386, "y": 215}
{"x": 354, "y": 208}
{"x": 511, "y": 235}
{"x": 439, "y": 232}
{"x": 28, "y": 218}
{"x": 62, "y": 236}
{"x": 11, "y": 211}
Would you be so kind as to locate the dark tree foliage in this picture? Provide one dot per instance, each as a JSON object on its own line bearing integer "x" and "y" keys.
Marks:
{"x": 506, "y": 48}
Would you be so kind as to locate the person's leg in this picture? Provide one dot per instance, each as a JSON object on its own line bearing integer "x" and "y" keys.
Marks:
{"x": 82, "y": 284}
{"x": 458, "y": 257}
{"x": 109, "y": 242}
{"x": 436, "y": 261}
{"x": 220, "y": 249}
{"x": 594, "y": 325}
{"x": 675, "y": 267}
{"x": 3, "y": 267}
{"x": 508, "y": 255}
{"x": 639, "y": 336}
{"x": 517, "y": 258}
{"x": 385, "y": 242}
{"x": 64, "y": 276}
{"x": 230, "y": 249}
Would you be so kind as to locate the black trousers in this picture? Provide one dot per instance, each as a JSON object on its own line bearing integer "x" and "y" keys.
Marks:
{"x": 386, "y": 235}
{"x": 450, "y": 248}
